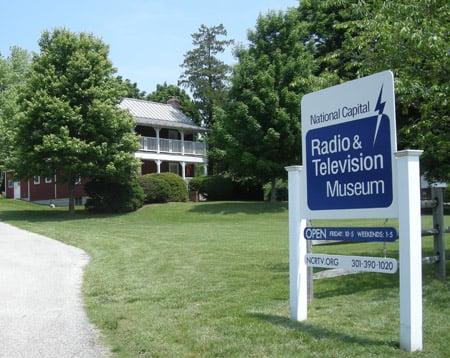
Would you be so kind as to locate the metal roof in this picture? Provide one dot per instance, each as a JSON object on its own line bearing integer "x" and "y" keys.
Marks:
{"x": 157, "y": 114}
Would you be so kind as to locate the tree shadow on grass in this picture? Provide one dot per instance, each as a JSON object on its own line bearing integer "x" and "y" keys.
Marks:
{"x": 238, "y": 207}
{"x": 48, "y": 215}
{"x": 321, "y": 332}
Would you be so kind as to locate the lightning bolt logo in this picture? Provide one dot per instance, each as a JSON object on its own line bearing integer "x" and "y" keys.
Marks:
{"x": 380, "y": 108}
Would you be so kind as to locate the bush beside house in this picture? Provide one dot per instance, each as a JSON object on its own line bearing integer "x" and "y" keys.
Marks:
{"x": 109, "y": 196}
{"x": 225, "y": 188}
{"x": 178, "y": 188}
{"x": 213, "y": 187}
{"x": 156, "y": 189}
{"x": 163, "y": 187}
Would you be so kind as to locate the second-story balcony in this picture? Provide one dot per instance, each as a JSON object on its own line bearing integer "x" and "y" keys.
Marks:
{"x": 175, "y": 146}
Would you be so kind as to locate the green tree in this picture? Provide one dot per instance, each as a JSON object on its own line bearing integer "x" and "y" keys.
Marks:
{"x": 411, "y": 37}
{"x": 13, "y": 70}
{"x": 258, "y": 133}
{"x": 351, "y": 38}
{"x": 204, "y": 73}
{"x": 328, "y": 24}
{"x": 164, "y": 92}
{"x": 70, "y": 123}
{"x": 130, "y": 88}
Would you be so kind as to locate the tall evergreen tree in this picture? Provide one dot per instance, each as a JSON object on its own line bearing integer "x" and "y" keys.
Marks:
{"x": 70, "y": 123}
{"x": 204, "y": 73}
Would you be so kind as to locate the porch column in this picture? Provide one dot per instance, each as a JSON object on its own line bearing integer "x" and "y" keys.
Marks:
{"x": 158, "y": 148}
{"x": 158, "y": 165}
{"x": 182, "y": 142}
{"x": 183, "y": 169}
{"x": 205, "y": 170}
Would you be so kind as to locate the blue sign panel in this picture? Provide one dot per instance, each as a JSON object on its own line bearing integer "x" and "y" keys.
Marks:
{"x": 353, "y": 234}
{"x": 349, "y": 165}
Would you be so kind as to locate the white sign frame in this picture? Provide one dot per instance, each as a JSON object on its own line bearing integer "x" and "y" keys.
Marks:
{"x": 406, "y": 195}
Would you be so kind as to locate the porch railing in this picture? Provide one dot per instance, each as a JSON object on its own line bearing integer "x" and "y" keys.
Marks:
{"x": 172, "y": 146}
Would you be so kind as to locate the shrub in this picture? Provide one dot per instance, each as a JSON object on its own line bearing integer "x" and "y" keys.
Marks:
{"x": 225, "y": 188}
{"x": 106, "y": 195}
{"x": 248, "y": 189}
{"x": 281, "y": 190}
{"x": 156, "y": 189}
{"x": 178, "y": 188}
{"x": 217, "y": 188}
{"x": 197, "y": 184}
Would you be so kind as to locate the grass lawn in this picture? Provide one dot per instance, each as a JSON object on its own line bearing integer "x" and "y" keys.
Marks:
{"x": 211, "y": 279}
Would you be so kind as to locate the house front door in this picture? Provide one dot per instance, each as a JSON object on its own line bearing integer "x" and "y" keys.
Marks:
{"x": 17, "y": 190}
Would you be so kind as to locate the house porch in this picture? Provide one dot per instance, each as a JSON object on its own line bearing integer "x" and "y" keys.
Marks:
{"x": 184, "y": 169}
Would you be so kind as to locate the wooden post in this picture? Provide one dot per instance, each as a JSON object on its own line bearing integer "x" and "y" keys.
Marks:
{"x": 438, "y": 224}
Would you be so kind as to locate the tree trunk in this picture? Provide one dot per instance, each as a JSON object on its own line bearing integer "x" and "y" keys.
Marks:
{"x": 71, "y": 187}
{"x": 273, "y": 191}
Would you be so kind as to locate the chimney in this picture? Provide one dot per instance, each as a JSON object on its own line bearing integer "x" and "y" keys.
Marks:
{"x": 174, "y": 102}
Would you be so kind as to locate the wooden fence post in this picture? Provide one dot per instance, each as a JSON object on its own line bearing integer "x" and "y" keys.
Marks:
{"x": 438, "y": 224}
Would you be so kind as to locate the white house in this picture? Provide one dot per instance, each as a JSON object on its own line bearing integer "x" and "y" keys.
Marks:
{"x": 169, "y": 139}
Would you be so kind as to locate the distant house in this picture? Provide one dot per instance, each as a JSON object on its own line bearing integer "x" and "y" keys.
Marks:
{"x": 169, "y": 143}
{"x": 169, "y": 139}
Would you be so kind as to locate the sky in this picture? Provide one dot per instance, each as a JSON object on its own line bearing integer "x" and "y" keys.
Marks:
{"x": 147, "y": 39}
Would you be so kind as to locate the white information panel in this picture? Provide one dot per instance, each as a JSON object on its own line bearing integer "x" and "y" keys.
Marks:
{"x": 356, "y": 263}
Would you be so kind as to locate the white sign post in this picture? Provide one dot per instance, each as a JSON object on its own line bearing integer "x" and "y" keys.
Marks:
{"x": 410, "y": 230}
{"x": 351, "y": 169}
{"x": 298, "y": 292}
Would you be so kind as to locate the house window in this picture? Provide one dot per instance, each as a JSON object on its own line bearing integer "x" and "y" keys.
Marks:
{"x": 37, "y": 179}
{"x": 10, "y": 183}
{"x": 48, "y": 179}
